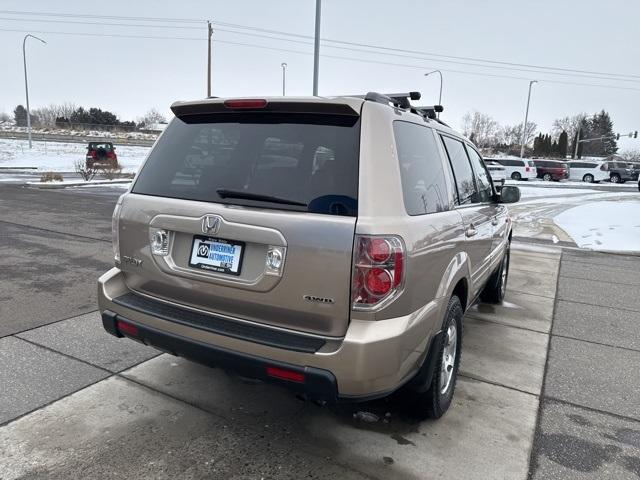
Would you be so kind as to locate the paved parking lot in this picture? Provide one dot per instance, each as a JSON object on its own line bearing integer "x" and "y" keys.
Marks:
{"x": 76, "y": 402}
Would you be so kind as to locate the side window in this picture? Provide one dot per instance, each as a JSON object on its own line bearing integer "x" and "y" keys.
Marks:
{"x": 483, "y": 181}
{"x": 462, "y": 171}
{"x": 421, "y": 169}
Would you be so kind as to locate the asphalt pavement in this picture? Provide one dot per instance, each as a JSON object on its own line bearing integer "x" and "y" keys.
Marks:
{"x": 76, "y": 402}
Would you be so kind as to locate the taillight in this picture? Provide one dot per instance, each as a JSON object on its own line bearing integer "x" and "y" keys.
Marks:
{"x": 115, "y": 226}
{"x": 246, "y": 103}
{"x": 91, "y": 153}
{"x": 378, "y": 270}
{"x": 527, "y": 169}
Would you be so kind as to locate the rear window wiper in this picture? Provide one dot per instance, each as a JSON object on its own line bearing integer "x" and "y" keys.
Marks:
{"x": 223, "y": 193}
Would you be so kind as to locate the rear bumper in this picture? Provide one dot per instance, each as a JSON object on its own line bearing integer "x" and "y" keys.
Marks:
{"x": 372, "y": 360}
{"x": 318, "y": 384}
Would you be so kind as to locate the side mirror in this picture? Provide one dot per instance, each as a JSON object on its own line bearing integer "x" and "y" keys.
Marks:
{"x": 509, "y": 194}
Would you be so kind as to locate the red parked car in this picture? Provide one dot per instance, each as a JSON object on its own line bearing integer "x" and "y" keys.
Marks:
{"x": 101, "y": 154}
{"x": 552, "y": 170}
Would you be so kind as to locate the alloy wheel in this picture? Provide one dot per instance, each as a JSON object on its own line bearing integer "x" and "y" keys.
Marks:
{"x": 448, "y": 358}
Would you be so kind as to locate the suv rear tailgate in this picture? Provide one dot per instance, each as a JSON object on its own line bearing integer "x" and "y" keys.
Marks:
{"x": 307, "y": 161}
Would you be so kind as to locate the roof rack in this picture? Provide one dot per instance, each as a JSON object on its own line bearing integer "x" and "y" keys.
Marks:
{"x": 400, "y": 100}
{"x": 430, "y": 111}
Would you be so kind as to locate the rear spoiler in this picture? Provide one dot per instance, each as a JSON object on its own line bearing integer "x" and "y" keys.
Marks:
{"x": 186, "y": 109}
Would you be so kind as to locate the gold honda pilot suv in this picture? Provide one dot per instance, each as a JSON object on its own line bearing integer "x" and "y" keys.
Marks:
{"x": 330, "y": 245}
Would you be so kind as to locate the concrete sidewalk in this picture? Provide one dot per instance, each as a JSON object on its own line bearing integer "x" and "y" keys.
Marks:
{"x": 589, "y": 425}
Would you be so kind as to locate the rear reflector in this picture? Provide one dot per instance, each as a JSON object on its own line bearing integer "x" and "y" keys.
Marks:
{"x": 285, "y": 374}
{"x": 248, "y": 103}
{"x": 127, "y": 328}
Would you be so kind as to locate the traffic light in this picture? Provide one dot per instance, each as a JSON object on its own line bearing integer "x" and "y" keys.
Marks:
{"x": 617, "y": 136}
{"x": 635, "y": 134}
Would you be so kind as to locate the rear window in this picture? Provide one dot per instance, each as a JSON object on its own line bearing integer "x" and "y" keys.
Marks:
{"x": 98, "y": 146}
{"x": 294, "y": 162}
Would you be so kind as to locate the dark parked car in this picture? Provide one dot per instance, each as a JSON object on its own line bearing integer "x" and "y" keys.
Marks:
{"x": 620, "y": 172}
{"x": 101, "y": 154}
{"x": 552, "y": 170}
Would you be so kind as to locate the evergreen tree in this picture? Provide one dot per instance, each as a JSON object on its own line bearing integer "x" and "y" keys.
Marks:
{"x": 563, "y": 144}
{"x": 20, "y": 116}
{"x": 536, "y": 145}
{"x": 603, "y": 127}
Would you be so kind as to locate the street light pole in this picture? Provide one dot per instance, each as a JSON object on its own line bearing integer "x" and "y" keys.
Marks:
{"x": 26, "y": 83}
{"x": 526, "y": 117}
{"x": 440, "y": 96}
{"x": 284, "y": 76}
{"x": 316, "y": 49}
{"x": 209, "y": 35}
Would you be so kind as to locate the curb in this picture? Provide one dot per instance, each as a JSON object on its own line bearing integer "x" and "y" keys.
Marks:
{"x": 57, "y": 185}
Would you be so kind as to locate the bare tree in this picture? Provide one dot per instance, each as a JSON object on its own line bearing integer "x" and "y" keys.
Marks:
{"x": 66, "y": 109}
{"x": 631, "y": 155}
{"x": 511, "y": 135}
{"x": 568, "y": 124}
{"x": 152, "y": 117}
{"x": 482, "y": 127}
{"x": 4, "y": 117}
{"x": 47, "y": 115}
{"x": 87, "y": 173}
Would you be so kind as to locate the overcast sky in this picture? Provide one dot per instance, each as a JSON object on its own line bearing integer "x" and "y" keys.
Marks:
{"x": 131, "y": 75}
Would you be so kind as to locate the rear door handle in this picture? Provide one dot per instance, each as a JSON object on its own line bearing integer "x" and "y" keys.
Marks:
{"x": 471, "y": 231}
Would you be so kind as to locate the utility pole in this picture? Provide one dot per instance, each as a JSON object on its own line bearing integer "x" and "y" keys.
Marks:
{"x": 316, "y": 49}
{"x": 526, "y": 118}
{"x": 575, "y": 151}
{"x": 210, "y": 34}
{"x": 284, "y": 76}
{"x": 26, "y": 83}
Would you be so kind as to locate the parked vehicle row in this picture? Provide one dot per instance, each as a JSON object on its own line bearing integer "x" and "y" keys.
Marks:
{"x": 588, "y": 171}
{"x": 281, "y": 239}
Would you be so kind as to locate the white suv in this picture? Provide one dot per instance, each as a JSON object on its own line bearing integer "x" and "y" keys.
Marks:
{"x": 587, "y": 171}
{"x": 517, "y": 169}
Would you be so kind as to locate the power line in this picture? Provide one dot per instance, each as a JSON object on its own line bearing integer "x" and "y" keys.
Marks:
{"x": 110, "y": 17}
{"x": 342, "y": 42}
{"x": 419, "y": 67}
{"x": 361, "y": 50}
{"x": 106, "y": 24}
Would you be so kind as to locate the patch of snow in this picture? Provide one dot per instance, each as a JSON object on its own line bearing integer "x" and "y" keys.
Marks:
{"x": 534, "y": 192}
{"x": 60, "y": 156}
{"x": 603, "y": 226}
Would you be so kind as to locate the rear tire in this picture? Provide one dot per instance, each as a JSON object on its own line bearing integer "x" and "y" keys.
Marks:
{"x": 496, "y": 287}
{"x": 588, "y": 178}
{"x": 434, "y": 400}
{"x": 516, "y": 176}
{"x": 547, "y": 177}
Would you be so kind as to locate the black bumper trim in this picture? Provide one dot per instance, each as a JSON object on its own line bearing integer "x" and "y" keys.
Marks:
{"x": 220, "y": 325}
{"x": 318, "y": 384}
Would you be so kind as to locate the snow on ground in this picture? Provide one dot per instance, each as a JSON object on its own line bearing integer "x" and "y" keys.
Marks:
{"x": 60, "y": 157}
{"x": 527, "y": 193}
{"x": 604, "y": 226}
{"x": 566, "y": 183}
